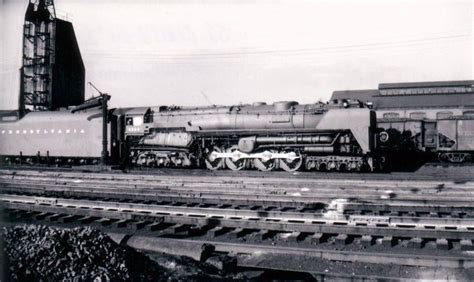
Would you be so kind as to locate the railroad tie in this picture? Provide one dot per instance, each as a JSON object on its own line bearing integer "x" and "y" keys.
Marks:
{"x": 155, "y": 226}
{"x": 294, "y": 237}
{"x": 53, "y": 217}
{"x": 466, "y": 245}
{"x": 342, "y": 239}
{"x": 196, "y": 231}
{"x": 68, "y": 218}
{"x": 264, "y": 234}
{"x": 442, "y": 244}
{"x": 416, "y": 243}
{"x": 137, "y": 225}
{"x": 367, "y": 240}
{"x": 217, "y": 231}
{"x": 104, "y": 221}
{"x": 388, "y": 241}
{"x": 87, "y": 219}
{"x": 223, "y": 262}
{"x": 180, "y": 228}
{"x": 317, "y": 238}
{"x": 238, "y": 232}
{"x": 120, "y": 223}
{"x": 41, "y": 216}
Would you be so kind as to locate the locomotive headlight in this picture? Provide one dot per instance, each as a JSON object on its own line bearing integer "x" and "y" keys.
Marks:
{"x": 383, "y": 136}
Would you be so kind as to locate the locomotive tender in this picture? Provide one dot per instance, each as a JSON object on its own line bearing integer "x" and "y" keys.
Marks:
{"x": 285, "y": 135}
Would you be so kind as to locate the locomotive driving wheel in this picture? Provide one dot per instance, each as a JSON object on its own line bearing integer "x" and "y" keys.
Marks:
{"x": 212, "y": 161}
{"x": 235, "y": 163}
{"x": 266, "y": 163}
{"x": 292, "y": 164}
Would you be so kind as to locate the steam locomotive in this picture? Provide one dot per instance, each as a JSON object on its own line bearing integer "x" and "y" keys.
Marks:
{"x": 285, "y": 135}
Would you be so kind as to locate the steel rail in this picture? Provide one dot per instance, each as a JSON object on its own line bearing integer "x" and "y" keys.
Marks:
{"x": 225, "y": 180}
{"x": 438, "y": 189}
{"x": 460, "y": 229}
{"x": 154, "y": 243}
{"x": 184, "y": 191}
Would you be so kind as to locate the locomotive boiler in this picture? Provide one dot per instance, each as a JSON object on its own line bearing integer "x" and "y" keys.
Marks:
{"x": 284, "y": 135}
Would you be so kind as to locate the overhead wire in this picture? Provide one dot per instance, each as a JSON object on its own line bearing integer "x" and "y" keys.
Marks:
{"x": 146, "y": 54}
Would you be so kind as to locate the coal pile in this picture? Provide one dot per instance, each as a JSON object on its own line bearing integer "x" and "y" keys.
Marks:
{"x": 33, "y": 253}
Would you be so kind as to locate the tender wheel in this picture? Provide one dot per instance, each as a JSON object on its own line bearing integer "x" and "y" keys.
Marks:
{"x": 212, "y": 162}
{"x": 265, "y": 164}
{"x": 291, "y": 165}
{"x": 235, "y": 163}
{"x": 342, "y": 167}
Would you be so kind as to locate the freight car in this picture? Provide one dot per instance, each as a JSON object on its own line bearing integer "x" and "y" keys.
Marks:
{"x": 284, "y": 135}
{"x": 436, "y": 118}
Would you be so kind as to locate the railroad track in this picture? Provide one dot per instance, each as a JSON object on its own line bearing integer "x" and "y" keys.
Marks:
{"x": 429, "y": 171}
{"x": 245, "y": 232}
{"x": 431, "y": 228}
{"x": 214, "y": 190}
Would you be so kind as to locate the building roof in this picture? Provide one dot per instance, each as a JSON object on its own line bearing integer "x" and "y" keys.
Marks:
{"x": 458, "y": 83}
{"x": 428, "y": 95}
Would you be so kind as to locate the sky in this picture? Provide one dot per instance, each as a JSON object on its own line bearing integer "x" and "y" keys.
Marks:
{"x": 202, "y": 52}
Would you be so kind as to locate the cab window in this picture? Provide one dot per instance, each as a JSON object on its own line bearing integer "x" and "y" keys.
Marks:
{"x": 137, "y": 121}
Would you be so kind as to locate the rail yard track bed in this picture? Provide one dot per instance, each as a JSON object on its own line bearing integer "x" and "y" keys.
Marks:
{"x": 339, "y": 228}
{"x": 428, "y": 171}
{"x": 295, "y": 258}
